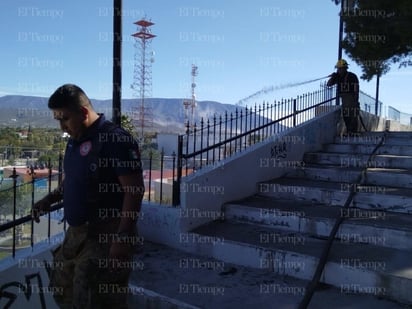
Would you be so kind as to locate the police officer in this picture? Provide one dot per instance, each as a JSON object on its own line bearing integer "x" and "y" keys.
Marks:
{"x": 102, "y": 191}
{"x": 348, "y": 89}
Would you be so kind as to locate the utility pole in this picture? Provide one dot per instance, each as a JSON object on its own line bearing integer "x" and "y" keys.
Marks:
{"x": 117, "y": 62}
{"x": 343, "y": 8}
{"x": 377, "y": 94}
{"x": 341, "y": 29}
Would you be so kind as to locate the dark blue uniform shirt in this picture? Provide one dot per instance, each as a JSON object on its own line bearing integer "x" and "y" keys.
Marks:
{"x": 91, "y": 169}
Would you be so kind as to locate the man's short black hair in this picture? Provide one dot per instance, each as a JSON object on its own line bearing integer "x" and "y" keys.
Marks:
{"x": 69, "y": 96}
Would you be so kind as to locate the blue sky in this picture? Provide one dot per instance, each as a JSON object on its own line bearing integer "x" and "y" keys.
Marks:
{"x": 240, "y": 47}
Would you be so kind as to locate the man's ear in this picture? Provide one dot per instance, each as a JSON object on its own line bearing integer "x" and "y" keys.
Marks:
{"x": 84, "y": 111}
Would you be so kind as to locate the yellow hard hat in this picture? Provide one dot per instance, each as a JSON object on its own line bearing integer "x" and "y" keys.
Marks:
{"x": 341, "y": 64}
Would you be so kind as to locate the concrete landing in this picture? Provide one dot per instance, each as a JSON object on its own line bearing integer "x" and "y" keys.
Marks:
{"x": 194, "y": 281}
{"x": 375, "y": 270}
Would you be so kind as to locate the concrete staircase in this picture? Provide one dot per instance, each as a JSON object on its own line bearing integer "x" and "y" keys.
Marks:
{"x": 283, "y": 228}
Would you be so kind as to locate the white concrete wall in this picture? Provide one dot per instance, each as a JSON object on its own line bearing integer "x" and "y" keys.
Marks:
{"x": 204, "y": 192}
{"x": 160, "y": 223}
{"x": 30, "y": 263}
{"x": 374, "y": 123}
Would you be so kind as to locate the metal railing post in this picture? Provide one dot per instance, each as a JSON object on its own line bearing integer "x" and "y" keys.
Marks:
{"x": 33, "y": 180}
{"x": 176, "y": 183}
{"x": 14, "y": 176}
{"x": 294, "y": 112}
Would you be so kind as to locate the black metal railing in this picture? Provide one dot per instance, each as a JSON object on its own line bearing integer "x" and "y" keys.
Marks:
{"x": 24, "y": 187}
{"x": 16, "y": 201}
{"x": 221, "y": 136}
{"x": 159, "y": 174}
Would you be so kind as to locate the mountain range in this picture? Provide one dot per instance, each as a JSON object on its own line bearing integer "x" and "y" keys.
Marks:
{"x": 167, "y": 114}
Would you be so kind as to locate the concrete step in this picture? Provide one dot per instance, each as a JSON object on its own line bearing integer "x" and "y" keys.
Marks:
{"x": 335, "y": 194}
{"x": 168, "y": 278}
{"x": 400, "y": 150}
{"x": 385, "y": 229}
{"x": 400, "y": 178}
{"x": 358, "y": 160}
{"x": 369, "y": 269}
{"x": 373, "y": 138}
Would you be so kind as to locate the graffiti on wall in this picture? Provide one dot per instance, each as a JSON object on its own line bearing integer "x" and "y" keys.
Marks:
{"x": 32, "y": 287}
{"x": 279, "y": 151}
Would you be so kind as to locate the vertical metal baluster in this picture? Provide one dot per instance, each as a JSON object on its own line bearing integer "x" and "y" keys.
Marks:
{"x": 236, "y": 128}
{"x": 162, "y": 155}
{"x": 150, "y": 174}
{"x": 220, "y": 136}
{"x": 226, "y": 120}
{"x": 201, "y": 139}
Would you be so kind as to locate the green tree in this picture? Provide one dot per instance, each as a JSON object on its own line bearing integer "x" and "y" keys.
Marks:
{"x": 7, "y": 200}
{"x": 378, "y": 33}
{"x": 127, "y": 124}
{"x": 147, "y": 148}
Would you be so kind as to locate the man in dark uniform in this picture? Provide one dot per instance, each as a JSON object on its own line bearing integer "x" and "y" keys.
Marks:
{"x": 348, "y": 90}
{"x": 102, "y": 192}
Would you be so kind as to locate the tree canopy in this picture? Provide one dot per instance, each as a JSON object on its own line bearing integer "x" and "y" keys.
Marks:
{"x": 378, "y": 33}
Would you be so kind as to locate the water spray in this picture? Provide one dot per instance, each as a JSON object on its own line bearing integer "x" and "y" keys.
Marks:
{"x": 266, "y": 90}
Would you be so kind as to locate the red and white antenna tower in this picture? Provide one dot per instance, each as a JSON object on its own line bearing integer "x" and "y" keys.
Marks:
{"x": 142, "y": 84}
{"x": 191, "y": 104}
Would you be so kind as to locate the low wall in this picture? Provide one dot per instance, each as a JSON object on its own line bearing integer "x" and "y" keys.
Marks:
{"x": 160, "y": 223}
{"x": 204, "y": 192}
{"x": 375, "y": 123}
{"x": 25, "y": 277}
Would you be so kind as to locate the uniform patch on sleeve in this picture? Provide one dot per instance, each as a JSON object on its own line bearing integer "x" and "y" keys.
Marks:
{"x": 133, "y": 154}
{"x": 85, "y": 148}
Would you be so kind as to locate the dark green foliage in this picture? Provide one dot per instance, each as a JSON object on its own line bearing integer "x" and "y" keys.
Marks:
{"x": 378, "y": 33}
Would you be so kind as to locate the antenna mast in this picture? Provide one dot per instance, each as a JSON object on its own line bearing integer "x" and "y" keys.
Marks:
{"x": 142, "y": 84}
{"x": 191, "y": 104}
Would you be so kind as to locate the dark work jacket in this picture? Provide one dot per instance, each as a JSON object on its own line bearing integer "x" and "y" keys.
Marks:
{"x": 91, "y": 168}
{"x": 347, "y": 84}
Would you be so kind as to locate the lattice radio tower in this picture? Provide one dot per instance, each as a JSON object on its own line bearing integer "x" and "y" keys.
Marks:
{"x": 142, "y": 84}
{"x": 190, "y": 105}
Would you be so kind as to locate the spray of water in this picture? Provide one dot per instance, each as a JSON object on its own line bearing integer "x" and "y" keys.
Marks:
{"x": 266, "y": 90}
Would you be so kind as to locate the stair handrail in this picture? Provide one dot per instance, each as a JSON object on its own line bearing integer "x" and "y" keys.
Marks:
{"x": 310, "y": 290}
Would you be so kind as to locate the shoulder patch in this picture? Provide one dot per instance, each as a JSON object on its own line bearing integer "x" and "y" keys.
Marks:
{"x": 85, "y": 148}
{"x": 133, "y": 154}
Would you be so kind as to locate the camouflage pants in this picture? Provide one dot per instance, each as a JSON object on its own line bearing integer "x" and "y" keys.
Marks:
{"x": 81, "y": 277}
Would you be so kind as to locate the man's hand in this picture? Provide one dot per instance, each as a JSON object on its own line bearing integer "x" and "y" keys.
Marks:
{"x": 40, "y": 208}
{"x": 119, "y": 256}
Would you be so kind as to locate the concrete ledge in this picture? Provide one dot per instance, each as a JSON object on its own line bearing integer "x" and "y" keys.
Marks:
{"x": 144, "y": 298}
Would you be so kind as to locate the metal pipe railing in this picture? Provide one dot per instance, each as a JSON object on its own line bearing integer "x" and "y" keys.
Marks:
{"x": 22, "y": 195}
{"x": 249, "y": 127}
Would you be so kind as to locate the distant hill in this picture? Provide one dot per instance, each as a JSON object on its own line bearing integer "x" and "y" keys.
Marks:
{"x": 168, "y": 114}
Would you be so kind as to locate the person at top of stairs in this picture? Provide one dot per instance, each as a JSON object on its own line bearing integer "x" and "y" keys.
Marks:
{"x": 348, "y": 89}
